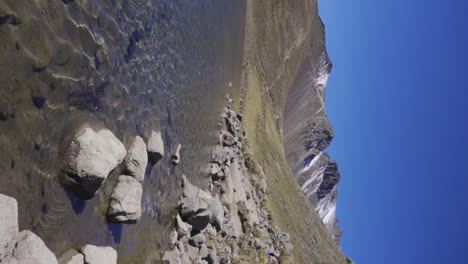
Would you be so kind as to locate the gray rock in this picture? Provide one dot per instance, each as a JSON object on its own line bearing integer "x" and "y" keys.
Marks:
{"x": 212, "y": 257}
{"x": 137, "y": 159}
{"x": 72, "y": 256}
{"x": 193, "y": 199}
{"x": 155, "y": 147}
{"x": 171, "y": 257}
{"x": 173, "y": 239}
{"x": 203, "y": 251}
{"x": 90, "y": 157}
{"x": 217, "y": 213}
{"x": 176, "y": 155}
{"x": 30, "y": 249}
{"x": 227, "y": 171}
{"x": 175, "y": 256}
{"x": 197, "y": 240}
{"x": 214, "y": 169}
{"x": 183, "y": 229}
{"x": 228, "y": 140}
{"x": 192, "y": 252}
{"x": 8, "y": 225}
{"x": 99, "y": 255}
{"x": 125, "y": 203}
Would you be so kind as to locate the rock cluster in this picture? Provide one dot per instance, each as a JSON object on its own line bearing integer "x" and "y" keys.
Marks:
{"x": 229, "y": 223}
{"x": 23, "y": 247}
{"x": 94, "y": 152}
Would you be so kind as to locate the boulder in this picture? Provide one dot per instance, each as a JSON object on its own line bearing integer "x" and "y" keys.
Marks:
{"x": 99, "y": 255}
{"x": 197, "y": 240}
{"x": 90, "y": 157}
{"x": 229, "y": 140}
{"x": 193, "y": 199}
{"x": 203, "y": 251}
{"x": 176, "y": 155}
{"x": 8, "y": 225}
{"x": 214, "y": 169}
{"x": 192, "y": 252}
{"x": 125, "y": 202}
{"x": 217, "y": 213}
{"x": 136, "y": 160}
{"x": 155, "y": 147}
{"x": 72, "y": 256}
{"x": 30, "y": 249}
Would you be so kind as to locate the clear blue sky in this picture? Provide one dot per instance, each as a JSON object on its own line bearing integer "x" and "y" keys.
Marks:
{"x": 398, "y": 100}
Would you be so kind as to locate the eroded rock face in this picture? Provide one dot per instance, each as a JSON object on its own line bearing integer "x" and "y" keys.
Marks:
{"x": 125, "y": 203}
{"x": 8, "y": 225}
{"x": 90, "y": 157}
{"x": 155, "y": 147}
{"x": 136, "y": 160}
{"x": 99, "y": 255}
{"x": 30, "y": 249}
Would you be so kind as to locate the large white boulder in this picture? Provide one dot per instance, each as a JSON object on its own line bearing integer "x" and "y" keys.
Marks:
{"x": 125, "y": 203}
{"x": 30, "y": 249}
{"x": 8, "y": 224}
{"x": 90, "y": 157}
{"x": 99, "y": 255}
{"x": 136, "y": 160}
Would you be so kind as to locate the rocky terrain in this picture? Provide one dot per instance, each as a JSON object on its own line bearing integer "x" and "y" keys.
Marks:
{"x": 230, "y": 223}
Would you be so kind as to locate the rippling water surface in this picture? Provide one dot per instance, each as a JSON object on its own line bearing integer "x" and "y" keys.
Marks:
{"x": 132, "y": 65}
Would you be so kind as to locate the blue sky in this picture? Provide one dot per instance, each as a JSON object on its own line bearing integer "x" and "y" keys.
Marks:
{"x": 397, "y": 98}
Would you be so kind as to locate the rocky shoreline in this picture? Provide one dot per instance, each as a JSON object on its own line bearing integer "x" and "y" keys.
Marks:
{"x": 230, "y": 223}
{"x": 26, "y": 247}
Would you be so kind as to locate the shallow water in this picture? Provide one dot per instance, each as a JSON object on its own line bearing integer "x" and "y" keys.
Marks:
{"x": 132, "y": 65}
